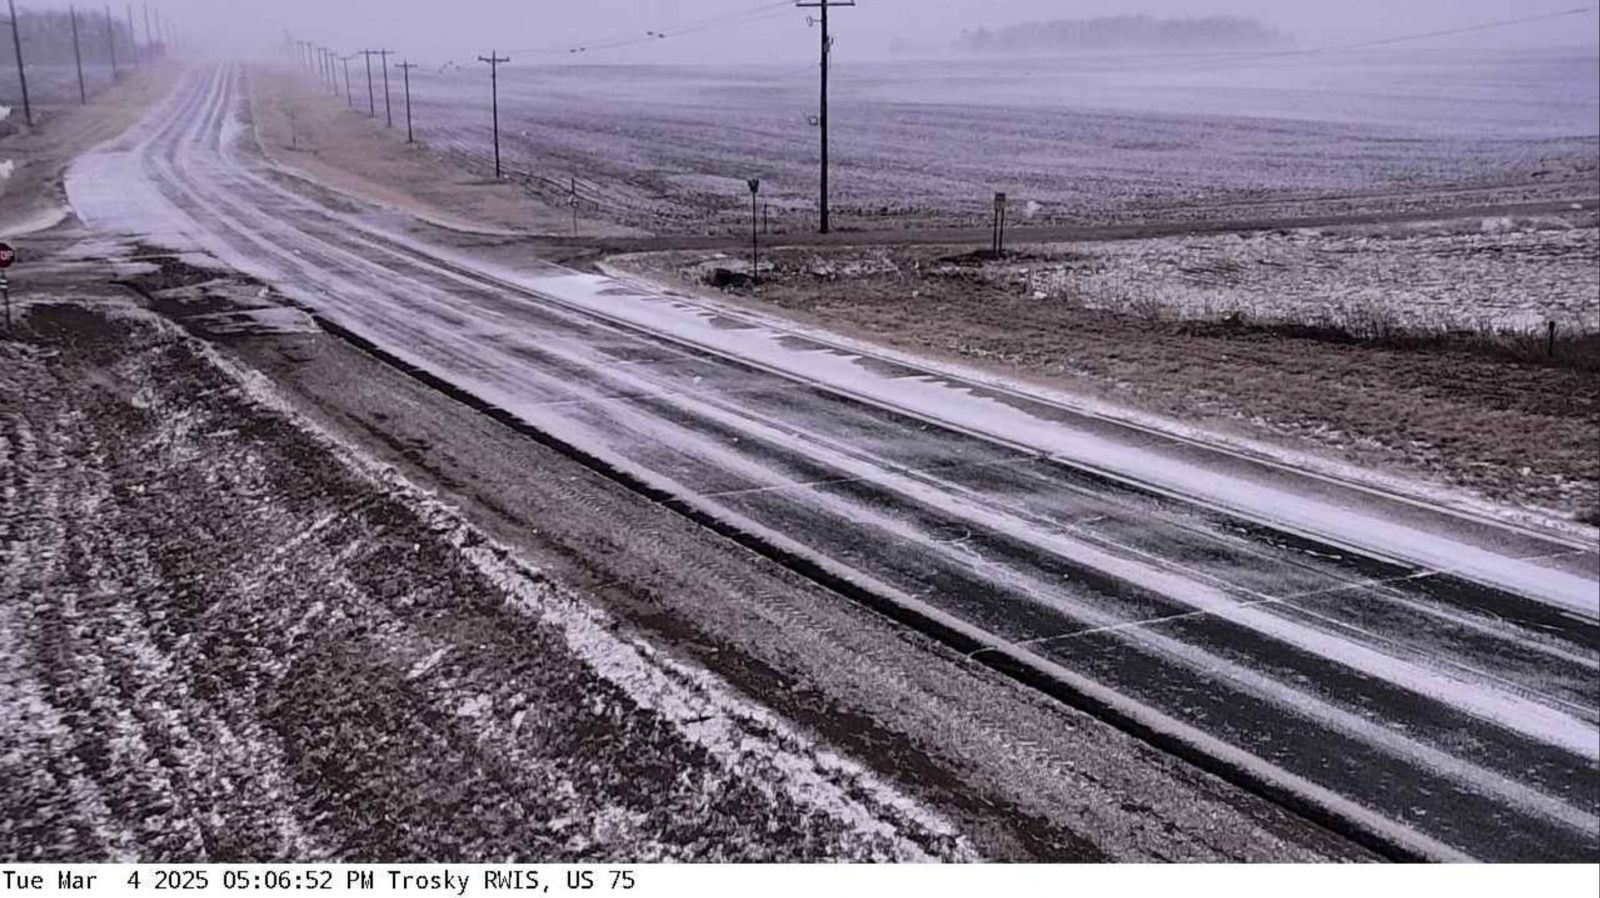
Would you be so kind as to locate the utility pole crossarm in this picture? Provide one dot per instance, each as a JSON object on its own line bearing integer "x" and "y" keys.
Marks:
{"x": 822, "y": 118}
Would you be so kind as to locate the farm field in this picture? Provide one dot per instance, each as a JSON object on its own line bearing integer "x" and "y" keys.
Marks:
{"x": 1089, "y": 139}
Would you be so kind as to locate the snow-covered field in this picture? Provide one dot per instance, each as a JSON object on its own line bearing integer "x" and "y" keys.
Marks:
{"x": 1087, "y": 138}
{"x": 1486, "y": 276}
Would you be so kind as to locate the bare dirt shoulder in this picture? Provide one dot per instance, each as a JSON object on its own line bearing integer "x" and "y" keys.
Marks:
{"x": 318, "y": 136}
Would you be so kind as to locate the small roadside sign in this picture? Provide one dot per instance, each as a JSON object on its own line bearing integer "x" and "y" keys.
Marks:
{"x": 8, "y": 256}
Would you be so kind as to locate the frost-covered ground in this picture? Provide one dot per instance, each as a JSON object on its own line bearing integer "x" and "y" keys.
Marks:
{"x": 225, "y": 637}
{"x": 1085, "y": 139}
{"x": 1488, "y": 275}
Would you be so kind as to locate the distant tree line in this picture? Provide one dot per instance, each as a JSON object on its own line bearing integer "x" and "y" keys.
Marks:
{"x": 1123, "y": 33}
{"x": 47, "y": 38}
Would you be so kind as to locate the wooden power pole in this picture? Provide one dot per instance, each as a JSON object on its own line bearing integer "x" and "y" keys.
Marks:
{"x": 822, "y": 118}
{"x": 22, "y": 72}
{"x": 349, "y": 96}
{"x": 494, "y": 88}
{"x": 133, "y": 37}
{"x": 406, "y": 68}
{"x": 111, "y": 43}
{"x": 388, "y": 108}
{"x": 77, "y": 55}
{"x": 372, "y": 103}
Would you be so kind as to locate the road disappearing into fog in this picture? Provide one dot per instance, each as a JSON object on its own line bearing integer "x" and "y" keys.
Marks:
{"x": 1421, "y": 679}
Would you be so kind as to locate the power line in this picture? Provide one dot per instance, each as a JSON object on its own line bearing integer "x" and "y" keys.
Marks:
{"x": 753, "y": 14}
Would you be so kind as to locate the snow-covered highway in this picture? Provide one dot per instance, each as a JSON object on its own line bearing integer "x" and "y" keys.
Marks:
{"x": 1420, "y": 677}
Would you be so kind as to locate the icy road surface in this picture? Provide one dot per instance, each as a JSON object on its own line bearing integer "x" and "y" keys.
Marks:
{"x": 1427, "y": 678}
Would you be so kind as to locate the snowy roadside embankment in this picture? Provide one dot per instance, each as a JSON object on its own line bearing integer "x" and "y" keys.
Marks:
{"x": 227, "y": 638}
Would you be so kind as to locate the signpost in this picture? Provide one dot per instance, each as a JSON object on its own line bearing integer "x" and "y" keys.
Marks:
{"x": 999, "y": 224}
{"x": 755, "y": 246}
{"x": 8, "y": 257}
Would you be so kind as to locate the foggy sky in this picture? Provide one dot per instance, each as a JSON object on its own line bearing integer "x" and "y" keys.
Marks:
{"x": 435, "y": 30}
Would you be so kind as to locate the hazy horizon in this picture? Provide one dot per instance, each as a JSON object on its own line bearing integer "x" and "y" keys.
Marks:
{"x": 745, "y": 31}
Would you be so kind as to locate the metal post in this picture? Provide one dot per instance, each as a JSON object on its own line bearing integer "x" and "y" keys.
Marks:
{"x": 406, "y": 68}
{"x": 755, "y": 242}
{"x": 22, "y": 72}
{"x": 349, "y": 97}
{"x": 1005, "y": 211}
{"x": 494, "y": 61}
{"x": 994, "y": 228}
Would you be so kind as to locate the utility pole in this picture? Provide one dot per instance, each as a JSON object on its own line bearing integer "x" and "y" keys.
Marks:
{"x": 349, "y": 98}
{"x": 406, "y": 68}
{"x": 388, "y": 110}
{"x": 822, "y": 119}
{"x": 494, "y": 87}
{"x": 22, "y": 73}
{"x": 77, "y": 55}
{"x": 372, "y": 103}
{"x": 111, "y": 43}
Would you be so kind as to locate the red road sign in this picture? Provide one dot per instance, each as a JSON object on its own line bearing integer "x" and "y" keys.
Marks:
{"x": 7, "y": 255}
